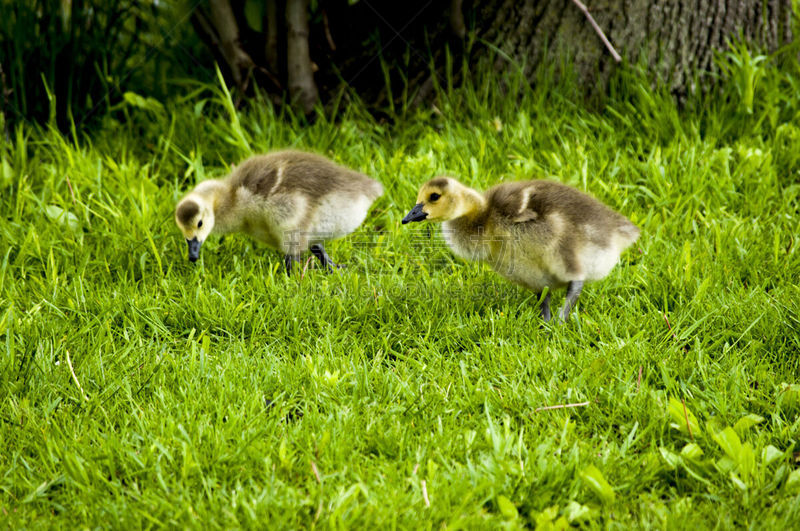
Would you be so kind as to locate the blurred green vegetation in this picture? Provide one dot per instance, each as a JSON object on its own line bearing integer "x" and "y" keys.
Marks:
{"x": 69, "y": 62}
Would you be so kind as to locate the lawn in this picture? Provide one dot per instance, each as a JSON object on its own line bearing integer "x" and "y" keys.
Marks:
{"x": 139, "y": 390}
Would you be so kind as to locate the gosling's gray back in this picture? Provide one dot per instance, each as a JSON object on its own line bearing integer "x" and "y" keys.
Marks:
{"x": 299, "y": 172}
{"x": 532, "y": 202}
{"x": 570, "y": 234}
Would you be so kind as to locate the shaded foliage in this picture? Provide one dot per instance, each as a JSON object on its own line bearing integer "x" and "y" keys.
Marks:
{"x": 74, "y": 59}
{"x": 77, "y": 58}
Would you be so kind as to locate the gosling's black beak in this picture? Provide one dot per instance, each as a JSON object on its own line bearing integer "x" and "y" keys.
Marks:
{"x": 416, "y": 214}
{"x": 194, "y": 249}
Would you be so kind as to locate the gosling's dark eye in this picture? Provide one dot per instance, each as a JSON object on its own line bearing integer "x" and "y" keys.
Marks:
{"x": 434, "y": 197}
{"x": 199, "y": 223}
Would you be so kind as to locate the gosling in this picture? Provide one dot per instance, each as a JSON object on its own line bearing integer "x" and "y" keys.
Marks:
{"x": 289, "y": 200}
{"x": 538, "y": 234}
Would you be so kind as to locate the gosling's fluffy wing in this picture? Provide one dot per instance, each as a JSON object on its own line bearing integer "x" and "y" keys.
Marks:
{"x": 540, "y": 202}
{"x": 299, "y": 173}
{"x": 562, "y": 221}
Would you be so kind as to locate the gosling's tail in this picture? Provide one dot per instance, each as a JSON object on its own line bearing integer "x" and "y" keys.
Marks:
{"x": 629, "y": 232}
{"x": 373, "y": 189}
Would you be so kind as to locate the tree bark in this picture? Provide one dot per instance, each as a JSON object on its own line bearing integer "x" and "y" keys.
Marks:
{"x": 676, "y": 39}
{"x": 302, "y": 89}
{"x": 227, "y": 30}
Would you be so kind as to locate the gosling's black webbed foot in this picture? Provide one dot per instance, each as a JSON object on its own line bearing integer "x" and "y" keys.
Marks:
{"x": 573, "y": 292}
{"x": 318, "y": 250}
{"x": 289, "y": 260}
{"x": 544, "y": 308}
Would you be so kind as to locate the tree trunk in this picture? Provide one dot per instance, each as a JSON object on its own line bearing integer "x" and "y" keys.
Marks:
{"x": 302, "y": 89}
{"x": 676, "y": 39}
{"x": 227, "y": 30}
{"x": 271, "y": 24}
{"x": 457, "y": 19}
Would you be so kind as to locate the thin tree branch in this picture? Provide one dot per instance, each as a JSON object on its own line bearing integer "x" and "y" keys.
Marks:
{"x": 602, "y": 35}
{"x": 327, "y": 26}
{"x": 238, "y": 60}
{"x": 205, "y": 30}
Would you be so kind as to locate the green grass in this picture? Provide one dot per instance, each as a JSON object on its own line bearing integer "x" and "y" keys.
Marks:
{"x": 225, "y": 394}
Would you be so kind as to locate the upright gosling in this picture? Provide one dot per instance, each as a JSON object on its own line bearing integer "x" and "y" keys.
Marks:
{"x": 289, "y": 200}
{"x": 535, "y": 233}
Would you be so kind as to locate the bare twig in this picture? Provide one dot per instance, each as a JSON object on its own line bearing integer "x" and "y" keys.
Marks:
{"x": 271, "y": 76}
{"x": 305, "y": 267}
{"x": 425, "y": 493}
{"x": 686, "y": 415}
{"x": 317, "y": 514}
{"x": 205, "y": 30}
{"x": 71, "y": 191}
{"x": 669, "y": 327}
{"x": 208, "y": 34}
{"x": 71, "y": 370}
{"x": 238, "y": 60}
{"x": 316, "y": 472}
{"x": 327, "y": 27}
{"x": 561, "y": 406}
{"x": 602, "y": 35}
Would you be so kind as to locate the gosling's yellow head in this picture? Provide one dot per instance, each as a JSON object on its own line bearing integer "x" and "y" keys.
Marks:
{"x": 195, "y": 217}
{"x": 440, "y": 199}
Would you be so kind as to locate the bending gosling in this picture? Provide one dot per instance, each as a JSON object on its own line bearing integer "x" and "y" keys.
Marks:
{"x": 534, "y": 233}
{"x": 289, "y": 200}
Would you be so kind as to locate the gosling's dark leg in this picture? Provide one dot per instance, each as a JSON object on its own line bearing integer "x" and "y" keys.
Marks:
{"x": 573, "y": 292}
{"x": 289, "y": 260}
{"x": 318, "y": 250}
{"x": 544, "y": 309}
